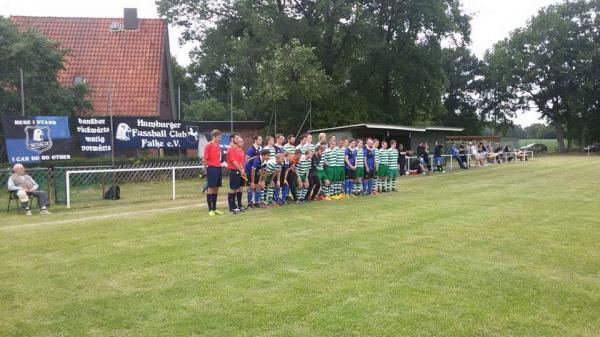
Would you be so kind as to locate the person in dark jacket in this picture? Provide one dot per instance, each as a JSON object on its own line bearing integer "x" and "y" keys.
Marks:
{"x": 401, "y": 159}
{"x": 437, "y": 157}
{"x": 314, "y": 180}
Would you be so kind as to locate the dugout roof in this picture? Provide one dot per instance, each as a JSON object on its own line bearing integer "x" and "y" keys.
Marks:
{"x": 389, "y": 127}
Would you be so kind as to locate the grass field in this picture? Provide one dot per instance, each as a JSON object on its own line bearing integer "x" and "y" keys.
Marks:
{"x": 510, "y": 250}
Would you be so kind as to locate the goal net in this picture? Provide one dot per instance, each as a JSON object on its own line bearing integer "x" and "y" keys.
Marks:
{"x": 128, "y": 186}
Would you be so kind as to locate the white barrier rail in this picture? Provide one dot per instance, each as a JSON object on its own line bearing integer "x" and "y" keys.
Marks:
{"x": 468, "y": 159}
{"x": 173, "y": 169}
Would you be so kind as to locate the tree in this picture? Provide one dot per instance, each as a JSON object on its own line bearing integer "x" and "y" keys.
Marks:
{"x": 209, "y": 109}
{"x": 383, "y": 57}
{"x": 540, "y": 131}
{"x": 462, "y": 72}
{"x": 41, "y": 60}
{"x": 205, "y": 110}
{"x": 183, "y": 82}
{"x": 293, "y": 68}
{"x": 399, "y": 60}
{"x": 549, "y": 65}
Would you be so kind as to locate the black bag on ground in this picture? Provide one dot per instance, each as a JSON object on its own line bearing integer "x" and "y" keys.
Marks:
{"x": 113, "y": 193}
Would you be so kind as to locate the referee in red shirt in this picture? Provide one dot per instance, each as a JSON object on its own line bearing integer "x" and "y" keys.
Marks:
{"x": 212, "y": 162}
{"x": 235, "y": 164}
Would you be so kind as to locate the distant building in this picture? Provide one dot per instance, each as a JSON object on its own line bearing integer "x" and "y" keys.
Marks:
{"x": 409, "y": 136}
{"x": 124, "y": 61}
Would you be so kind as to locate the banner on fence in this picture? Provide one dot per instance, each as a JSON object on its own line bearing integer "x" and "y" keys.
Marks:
{"x": 132, "y": 132}
{"x": 94, "y": 135}
{"x": 37, "y": 139}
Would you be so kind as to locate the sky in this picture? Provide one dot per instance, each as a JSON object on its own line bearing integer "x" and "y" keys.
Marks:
{"x": 493, "y": 20}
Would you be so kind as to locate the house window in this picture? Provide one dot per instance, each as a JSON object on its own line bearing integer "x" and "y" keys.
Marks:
{"x": 115, "y": 26}
{"x": 79, "y": 80}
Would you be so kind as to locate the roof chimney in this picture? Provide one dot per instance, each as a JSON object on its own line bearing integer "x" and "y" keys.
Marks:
{"x": 130, "y": 19}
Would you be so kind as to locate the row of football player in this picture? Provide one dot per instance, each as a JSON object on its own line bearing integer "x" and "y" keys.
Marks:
{"x": 277, "y": 173}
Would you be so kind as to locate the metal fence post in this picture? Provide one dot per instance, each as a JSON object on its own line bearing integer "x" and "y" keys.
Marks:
{"x": 68, "y": 189}
{"x": 173, "y": 183}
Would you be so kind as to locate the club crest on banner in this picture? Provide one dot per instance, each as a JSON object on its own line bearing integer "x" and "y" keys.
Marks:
{"x": 123, "y": 132}
{"x": 38, "y": 138}
{"x": 192, "y": 133}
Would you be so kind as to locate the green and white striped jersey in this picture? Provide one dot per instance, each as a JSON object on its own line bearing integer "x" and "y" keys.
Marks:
{"x": 289, "y": 148}
{"x": 305, "y": 147}
{"x": 360, "y": 157}
{"x": 383, "y": 156}
{"x": 377, "y": 153}
{"x": 303, "y": 166}
{"x": 328, "y": 156}
{"x": 302, "y": 148}
{"x": 272, "y": 151}
{"x": 393, "y": 158}
{"x": 340, "y": 155}
{"x": 272, "y": 166}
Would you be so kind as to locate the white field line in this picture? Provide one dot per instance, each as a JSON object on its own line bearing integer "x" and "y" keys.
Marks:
{"x": 104, "y": 216}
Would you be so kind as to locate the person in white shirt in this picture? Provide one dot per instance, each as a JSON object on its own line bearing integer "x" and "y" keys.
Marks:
{"x": 24, "y": 187}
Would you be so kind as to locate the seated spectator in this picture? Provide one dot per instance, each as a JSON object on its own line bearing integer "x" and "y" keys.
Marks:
{"x": 520, "y": 155}
{"x": 508, "y": 154}
{"x": 483, "y": 154}
{"x": 415, "y": 165}
{"x": 462, "y": 151}
{"x": 456, "y": 154}
{"x": 24, "y": 187}
{"x": 476, "y": 156}
{"x": 499, "y": 154}
{"x": 492, "y": 156}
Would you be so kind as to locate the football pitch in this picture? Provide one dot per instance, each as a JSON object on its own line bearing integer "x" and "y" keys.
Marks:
{"x": 509, "y": 250}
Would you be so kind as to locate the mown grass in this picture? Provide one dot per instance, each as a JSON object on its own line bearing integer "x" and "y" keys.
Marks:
{"x": 510, "y": 250}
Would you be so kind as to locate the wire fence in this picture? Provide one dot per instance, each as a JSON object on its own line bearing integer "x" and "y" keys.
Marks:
{"x": 154, "y": 180}
{"x": 93, "y": 183}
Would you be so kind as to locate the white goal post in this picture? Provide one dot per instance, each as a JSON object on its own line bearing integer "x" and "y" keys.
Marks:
{"x": 173, "y": 170}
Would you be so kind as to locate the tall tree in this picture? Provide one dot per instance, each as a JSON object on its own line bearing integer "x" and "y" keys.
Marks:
{"x": 549, "y": 65}
{"x": 383, "y": 57}
{"x": 462, "y": 72}
{"x": 292, "y": 68}
{"x": 185, "y": 88}
{"x": 41, "y": 60}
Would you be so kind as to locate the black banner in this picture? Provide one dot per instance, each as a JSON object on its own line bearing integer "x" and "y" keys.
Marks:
{"x": 37, "y": 139}
{"x": 94, "y": 135}
{"x": 142, "y": 133}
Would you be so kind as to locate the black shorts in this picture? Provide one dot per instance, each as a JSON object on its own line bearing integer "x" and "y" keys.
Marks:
{"x": 257, "y": 177}
{"x": 350, "y": 174}
{"x": 235, "y": 179}
{"x": 214, "y": 177}
{"x": 248, "y": 181}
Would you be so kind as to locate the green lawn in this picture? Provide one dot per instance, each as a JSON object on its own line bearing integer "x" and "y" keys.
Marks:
{"x": 509, "y": 250}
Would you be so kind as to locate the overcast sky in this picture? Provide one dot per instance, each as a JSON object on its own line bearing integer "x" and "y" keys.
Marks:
{"x": 492, "y": 20}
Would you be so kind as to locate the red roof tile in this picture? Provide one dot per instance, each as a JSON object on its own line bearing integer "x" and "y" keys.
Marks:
{"x": 130, "y": 59}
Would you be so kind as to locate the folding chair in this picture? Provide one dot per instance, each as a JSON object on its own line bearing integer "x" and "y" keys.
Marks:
{"x": 12, "y": 195}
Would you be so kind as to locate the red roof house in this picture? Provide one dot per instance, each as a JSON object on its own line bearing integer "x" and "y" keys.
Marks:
{"x": 124, "y": 61}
